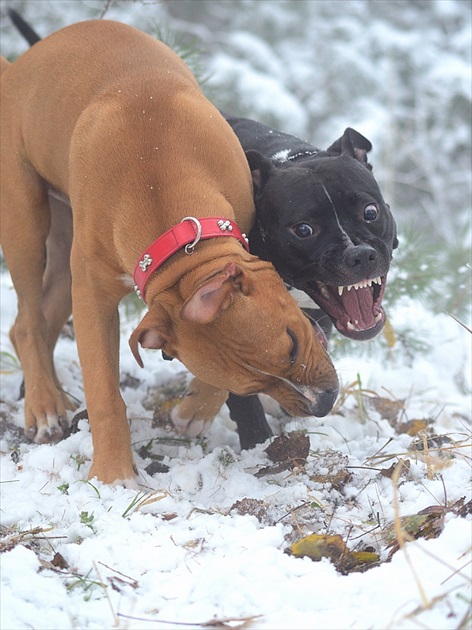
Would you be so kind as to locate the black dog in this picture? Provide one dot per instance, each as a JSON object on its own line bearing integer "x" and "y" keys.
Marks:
{"x": 322, "y": 221}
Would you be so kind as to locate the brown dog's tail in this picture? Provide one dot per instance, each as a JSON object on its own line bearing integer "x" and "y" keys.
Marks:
{"x": 25, "y": 29}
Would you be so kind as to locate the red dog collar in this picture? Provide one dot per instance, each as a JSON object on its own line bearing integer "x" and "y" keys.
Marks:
{"x": 186, "y": 233}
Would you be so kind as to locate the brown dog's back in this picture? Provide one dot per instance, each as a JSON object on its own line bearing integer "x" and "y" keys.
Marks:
{"x": 117, "y": 81}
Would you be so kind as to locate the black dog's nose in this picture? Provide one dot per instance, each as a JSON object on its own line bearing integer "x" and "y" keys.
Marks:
{"x": 360, "y": 256}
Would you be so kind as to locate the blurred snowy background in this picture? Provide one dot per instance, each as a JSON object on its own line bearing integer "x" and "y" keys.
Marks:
{"x": 399, "y": 71}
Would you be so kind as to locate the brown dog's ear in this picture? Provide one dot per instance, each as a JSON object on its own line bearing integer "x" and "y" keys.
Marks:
{"x": 214, "y": 296}
{"x": 154, "y": 332}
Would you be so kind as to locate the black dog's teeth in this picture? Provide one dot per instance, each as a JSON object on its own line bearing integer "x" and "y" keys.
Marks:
{"x": 354, "y": 327}
{"x": 324, "y": 291}
{"x": 360, "y": 285}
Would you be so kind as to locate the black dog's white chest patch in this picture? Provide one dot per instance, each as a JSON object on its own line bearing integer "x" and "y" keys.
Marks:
{"x": 301, "y": 298}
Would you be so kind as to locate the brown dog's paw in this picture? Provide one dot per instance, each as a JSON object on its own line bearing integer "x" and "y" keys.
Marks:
{"x": 116, "y": 473}
{"x": 198, "y": 408}
{"x": 192, "y": 426}
{"x": 47, "y": 431}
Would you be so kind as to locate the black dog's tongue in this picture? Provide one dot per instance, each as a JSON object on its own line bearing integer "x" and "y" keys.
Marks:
{"x": 359, "y": 306}
{"x": 356, "y": 310}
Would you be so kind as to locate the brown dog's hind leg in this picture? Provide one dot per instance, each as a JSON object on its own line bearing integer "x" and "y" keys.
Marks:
{"x": 57, "y": 299}
{"x": 25, "y": 223}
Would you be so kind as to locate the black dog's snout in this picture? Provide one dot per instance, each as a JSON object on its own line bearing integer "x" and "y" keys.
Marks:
{"x": 363, "y": 257}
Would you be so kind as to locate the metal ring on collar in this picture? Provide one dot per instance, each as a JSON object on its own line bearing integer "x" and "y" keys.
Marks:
{"x": 191, "y": 246}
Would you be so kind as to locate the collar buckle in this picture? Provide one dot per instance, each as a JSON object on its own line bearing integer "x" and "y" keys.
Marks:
{"x": 190, "y": 248}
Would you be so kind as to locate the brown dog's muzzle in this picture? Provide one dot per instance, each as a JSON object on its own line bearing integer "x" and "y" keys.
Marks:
{"x": 318, "y": 402}
{"x": 303, "y": 400}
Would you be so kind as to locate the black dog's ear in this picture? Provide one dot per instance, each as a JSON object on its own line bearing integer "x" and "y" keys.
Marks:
{"x": 261, "y": 169}
{"x": 354, "y": 144}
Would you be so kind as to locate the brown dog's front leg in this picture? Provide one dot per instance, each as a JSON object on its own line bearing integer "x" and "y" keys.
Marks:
{"x": 96, "y": 322}
{"x": 198, "y": 408}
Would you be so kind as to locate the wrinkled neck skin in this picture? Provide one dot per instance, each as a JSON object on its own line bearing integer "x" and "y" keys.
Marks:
{"x": 182, "y": 273}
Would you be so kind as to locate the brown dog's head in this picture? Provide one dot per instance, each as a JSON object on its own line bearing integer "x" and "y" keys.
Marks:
{"x": 244, "y": 336}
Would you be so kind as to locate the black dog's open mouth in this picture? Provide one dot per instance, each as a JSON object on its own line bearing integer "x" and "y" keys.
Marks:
{"x": 356, "y": 309}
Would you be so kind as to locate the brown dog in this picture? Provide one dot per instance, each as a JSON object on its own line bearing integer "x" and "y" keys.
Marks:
{"x": 111, "y": 121}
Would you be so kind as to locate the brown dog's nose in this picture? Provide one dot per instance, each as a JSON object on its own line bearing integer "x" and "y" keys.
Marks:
{"x": 324, "y": 402}
{"x": 318, "y": 402}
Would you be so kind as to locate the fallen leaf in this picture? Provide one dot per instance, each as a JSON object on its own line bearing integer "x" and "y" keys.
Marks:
{"x": 274, "y": 470}
{"x": 387, "y": 409}
{"x": 433, "y": 443}
{"x": 331, "y": 467}
{"x": 156, "y": 467}
{"x": 318, "y": 546}
{"x": 412, "y": 428}
{"x": 293, "y": 447}
{"x": 357, "y": 561}
{"x": 59, "y": 561}
{"x": 169, "y": 517}
{"x": 389, "y": 334}
{"x": 333, "y": 547}
{"x": 428, "y": 523}
{"x": 254, "y": 507}
{"x": 405, "y": 469}
{"x": 462, "y": 509}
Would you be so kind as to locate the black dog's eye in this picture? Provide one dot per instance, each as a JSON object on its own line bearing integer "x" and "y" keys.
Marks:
{"x": 370, "y": 212}
{"x": 294, "y": 350}
{"x": 303, "y": 230}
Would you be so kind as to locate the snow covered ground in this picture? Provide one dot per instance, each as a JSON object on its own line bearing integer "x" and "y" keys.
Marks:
{"x": 207, "y": 541}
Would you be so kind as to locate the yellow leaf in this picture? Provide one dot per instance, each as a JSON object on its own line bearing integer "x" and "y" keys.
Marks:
{"x": 317, "y": 546}
{"x": 389, "y": 334}
{"x": 412, "y": 427}
{"x": 364, "y": 557}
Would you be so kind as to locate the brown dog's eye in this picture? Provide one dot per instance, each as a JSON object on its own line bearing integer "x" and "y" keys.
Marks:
{"x": 294, "y": 350}
{"x": 303, "y": 230}
{"x": 370, "y": 212}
